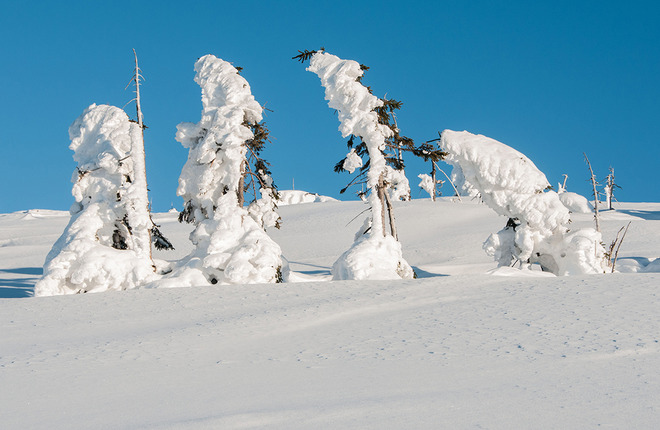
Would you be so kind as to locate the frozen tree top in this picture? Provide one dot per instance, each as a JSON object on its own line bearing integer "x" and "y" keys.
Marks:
{"x": 223, "y": 87}
{"x": 216, "y": 142}
{"x": 349, "y": 97}
{"x": 507, "y": 180}
{"x": 499, "y": 165}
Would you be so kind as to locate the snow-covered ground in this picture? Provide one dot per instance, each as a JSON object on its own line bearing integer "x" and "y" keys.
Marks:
{"x": 456, "y": 348}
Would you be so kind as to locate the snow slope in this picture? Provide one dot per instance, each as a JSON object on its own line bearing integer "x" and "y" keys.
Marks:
{"x": 455, "y": 348}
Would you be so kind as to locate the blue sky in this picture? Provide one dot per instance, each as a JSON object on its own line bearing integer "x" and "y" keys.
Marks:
{"x": 551, "y": 79}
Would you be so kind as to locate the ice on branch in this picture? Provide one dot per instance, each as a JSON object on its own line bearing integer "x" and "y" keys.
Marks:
{"x": 537, "y": 228}
{"x": 231, "y": 246}
{"x": 100, "y": 249}
{"x": 376, "y": 254}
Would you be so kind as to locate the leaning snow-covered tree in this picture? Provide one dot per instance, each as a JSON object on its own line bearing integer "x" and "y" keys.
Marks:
{"x": 376, "y": 253}
{"x": 106, "y": 244}
{"x": 537, "y": 227}
{"x": 224, "y": 164}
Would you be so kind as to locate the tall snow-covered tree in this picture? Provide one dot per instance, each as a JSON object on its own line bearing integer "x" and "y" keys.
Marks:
{"x": 376, "y": 253}
{"x": 224, "y": 163}
{"x": 537, "y": 230}
{"x": 106, "y": 243}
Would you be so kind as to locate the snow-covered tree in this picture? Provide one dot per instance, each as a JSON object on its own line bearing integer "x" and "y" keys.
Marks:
{"x": 537, "y": 228}
{"x": 106, "y": 243}
{"x": 376, "y": 253}
{"x": 608, "y": 189}
{"x": 231, "y": 245}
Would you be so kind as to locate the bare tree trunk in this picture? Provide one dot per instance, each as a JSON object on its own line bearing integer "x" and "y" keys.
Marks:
{"x": 240, "y": 192}
{"x": 381, "y": 200}
{"x": 593, "y": 182}
{"x": 390, "y": 214}
{"x": 434, "y": 181}
{"x": 138, "y": 216}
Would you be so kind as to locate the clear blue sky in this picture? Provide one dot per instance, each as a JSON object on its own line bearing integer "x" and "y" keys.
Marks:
{"x": 552, "y": 79}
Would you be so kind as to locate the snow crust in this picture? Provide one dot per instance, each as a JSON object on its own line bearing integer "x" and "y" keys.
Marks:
{"x": 83, "y": 258}
{"x": 510, "y": 184}
{"x": 355, "y": 106}
{"x": 231, "y": 246}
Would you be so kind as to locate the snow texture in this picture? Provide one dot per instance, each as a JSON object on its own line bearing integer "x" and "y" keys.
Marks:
{"x": 575, "y": 203}
{"x": 511, "y": 185}
{"x": 231, "y": 246}
{"x": 457, "y": 348}
{"x": 106, "y": 211}
{"x": 355, "y": 106}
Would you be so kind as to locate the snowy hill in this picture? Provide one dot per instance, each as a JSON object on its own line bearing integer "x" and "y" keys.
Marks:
{"x": 456, "y": 348}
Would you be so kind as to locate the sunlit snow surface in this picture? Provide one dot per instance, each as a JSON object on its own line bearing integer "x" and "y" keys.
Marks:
{"x": 456, "y": 348}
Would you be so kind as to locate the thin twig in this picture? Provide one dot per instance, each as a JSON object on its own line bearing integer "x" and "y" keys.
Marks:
{"x": 616, "y": 254}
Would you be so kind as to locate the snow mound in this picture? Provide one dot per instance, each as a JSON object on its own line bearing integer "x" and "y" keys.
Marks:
{"x": 294, "y": 197}
{"x": 374, "y": 257}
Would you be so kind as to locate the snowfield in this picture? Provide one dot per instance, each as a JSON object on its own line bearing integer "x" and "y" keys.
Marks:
{"x": 462, "y": 346}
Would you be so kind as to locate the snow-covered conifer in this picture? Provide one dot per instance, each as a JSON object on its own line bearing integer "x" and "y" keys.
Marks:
{"x": 231, "y": 245}
{"x": 106, "y": 243}
{"x": 377, "y": 253}
{"x": 537, "y": 228}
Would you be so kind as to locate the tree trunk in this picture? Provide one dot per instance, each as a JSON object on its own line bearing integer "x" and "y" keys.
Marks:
{"x": 138, "y": 209}
{"x": 593, "y": 182}
{"x": 390, "y": 214}
{"x": 381, "y": 200}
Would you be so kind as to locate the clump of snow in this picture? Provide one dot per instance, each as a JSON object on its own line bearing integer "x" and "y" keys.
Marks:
{"x": 426, "y": 183}
{"x": 511, "y": 185}
{"x": 294, "y": 197}
{"x": 97, "y": 250}
{"x": 398, "y": 186}
{"x": 575, "y": 203}
{"x": 231, "y": 246}
{"x": 355, "y": 106}
{"x": 352, "y": 161}
{"x": 375, "y": 257}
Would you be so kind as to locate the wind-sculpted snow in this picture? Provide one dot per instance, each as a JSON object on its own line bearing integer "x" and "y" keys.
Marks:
{"x": 355, "y": 106}
{"x": 216, "y": 142}
{"x": 231, "y": 245}
{"x": 83, "y": 258}
{"x": 511, "y": 185}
